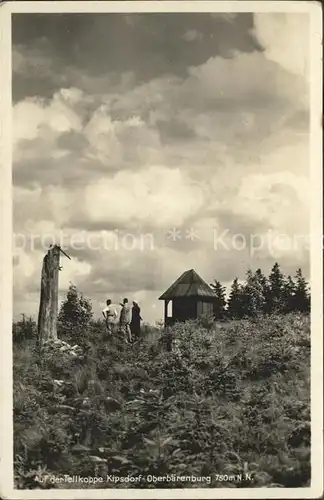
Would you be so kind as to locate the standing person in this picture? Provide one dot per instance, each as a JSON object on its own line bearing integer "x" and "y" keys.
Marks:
{"x": 124, "y": 321}
{"x": 110, "y": 314}
{"x": 135, "y": 324}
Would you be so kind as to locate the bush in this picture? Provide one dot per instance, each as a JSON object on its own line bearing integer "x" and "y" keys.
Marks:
{"x": 74, "y": 316}
{"x": 24, "y": 330}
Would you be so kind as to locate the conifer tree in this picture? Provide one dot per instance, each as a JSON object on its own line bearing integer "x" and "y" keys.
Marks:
{"x": 220, "y": 303}
{"x": 288, "y": 295}
{"x": 262, "y": 280}
{"x": 276, "y": 289}
{"x": 301, "y": 299}
{"x": 260, "y": 277}
{"x": 253, "y": 294}
{"x": 235, "y": 307}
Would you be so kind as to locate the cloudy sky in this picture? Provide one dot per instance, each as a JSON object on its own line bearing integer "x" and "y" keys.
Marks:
{"x": 156, "y": 143}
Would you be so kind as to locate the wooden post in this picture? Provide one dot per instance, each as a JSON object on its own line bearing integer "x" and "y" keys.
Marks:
{"x": 48, "y": 307}
{"x": 166, "y": 302}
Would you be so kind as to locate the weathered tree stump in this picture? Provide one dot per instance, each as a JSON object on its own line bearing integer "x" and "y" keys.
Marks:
{"x": 48, "y": 307}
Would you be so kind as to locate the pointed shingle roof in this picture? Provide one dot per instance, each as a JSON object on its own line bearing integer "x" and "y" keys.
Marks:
{"x": 189, "y": 284}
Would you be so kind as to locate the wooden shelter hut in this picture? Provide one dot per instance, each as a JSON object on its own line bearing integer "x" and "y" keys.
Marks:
{"x": 191, "y": 298}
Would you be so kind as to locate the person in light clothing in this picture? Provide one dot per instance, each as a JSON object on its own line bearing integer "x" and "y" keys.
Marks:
{"x": 124, "y": 321}
{"x": 110, "y": 315}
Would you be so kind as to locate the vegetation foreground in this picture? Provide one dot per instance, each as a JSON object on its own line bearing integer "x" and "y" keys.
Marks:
{"x": 231, "y": 398}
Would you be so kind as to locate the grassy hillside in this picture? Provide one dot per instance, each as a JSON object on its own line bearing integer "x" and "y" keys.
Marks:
{"x": 230, "y": 399}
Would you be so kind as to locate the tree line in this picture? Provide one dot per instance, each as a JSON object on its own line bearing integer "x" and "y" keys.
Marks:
{"x": 260, "y": 294}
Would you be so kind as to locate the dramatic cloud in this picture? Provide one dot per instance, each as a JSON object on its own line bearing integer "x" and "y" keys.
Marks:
{"x": 285, "y": 38}
{"x": 146, "y": 160}
{"x": 92, "y": 51}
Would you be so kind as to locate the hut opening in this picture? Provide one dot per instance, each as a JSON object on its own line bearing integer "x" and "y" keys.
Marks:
{"x": 191, "y": 297}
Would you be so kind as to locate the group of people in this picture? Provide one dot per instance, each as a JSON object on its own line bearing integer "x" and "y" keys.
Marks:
{"x": 129, "y": 324}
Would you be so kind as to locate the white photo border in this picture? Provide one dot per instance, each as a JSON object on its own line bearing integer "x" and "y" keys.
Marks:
{"x": 6, "y": 449}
